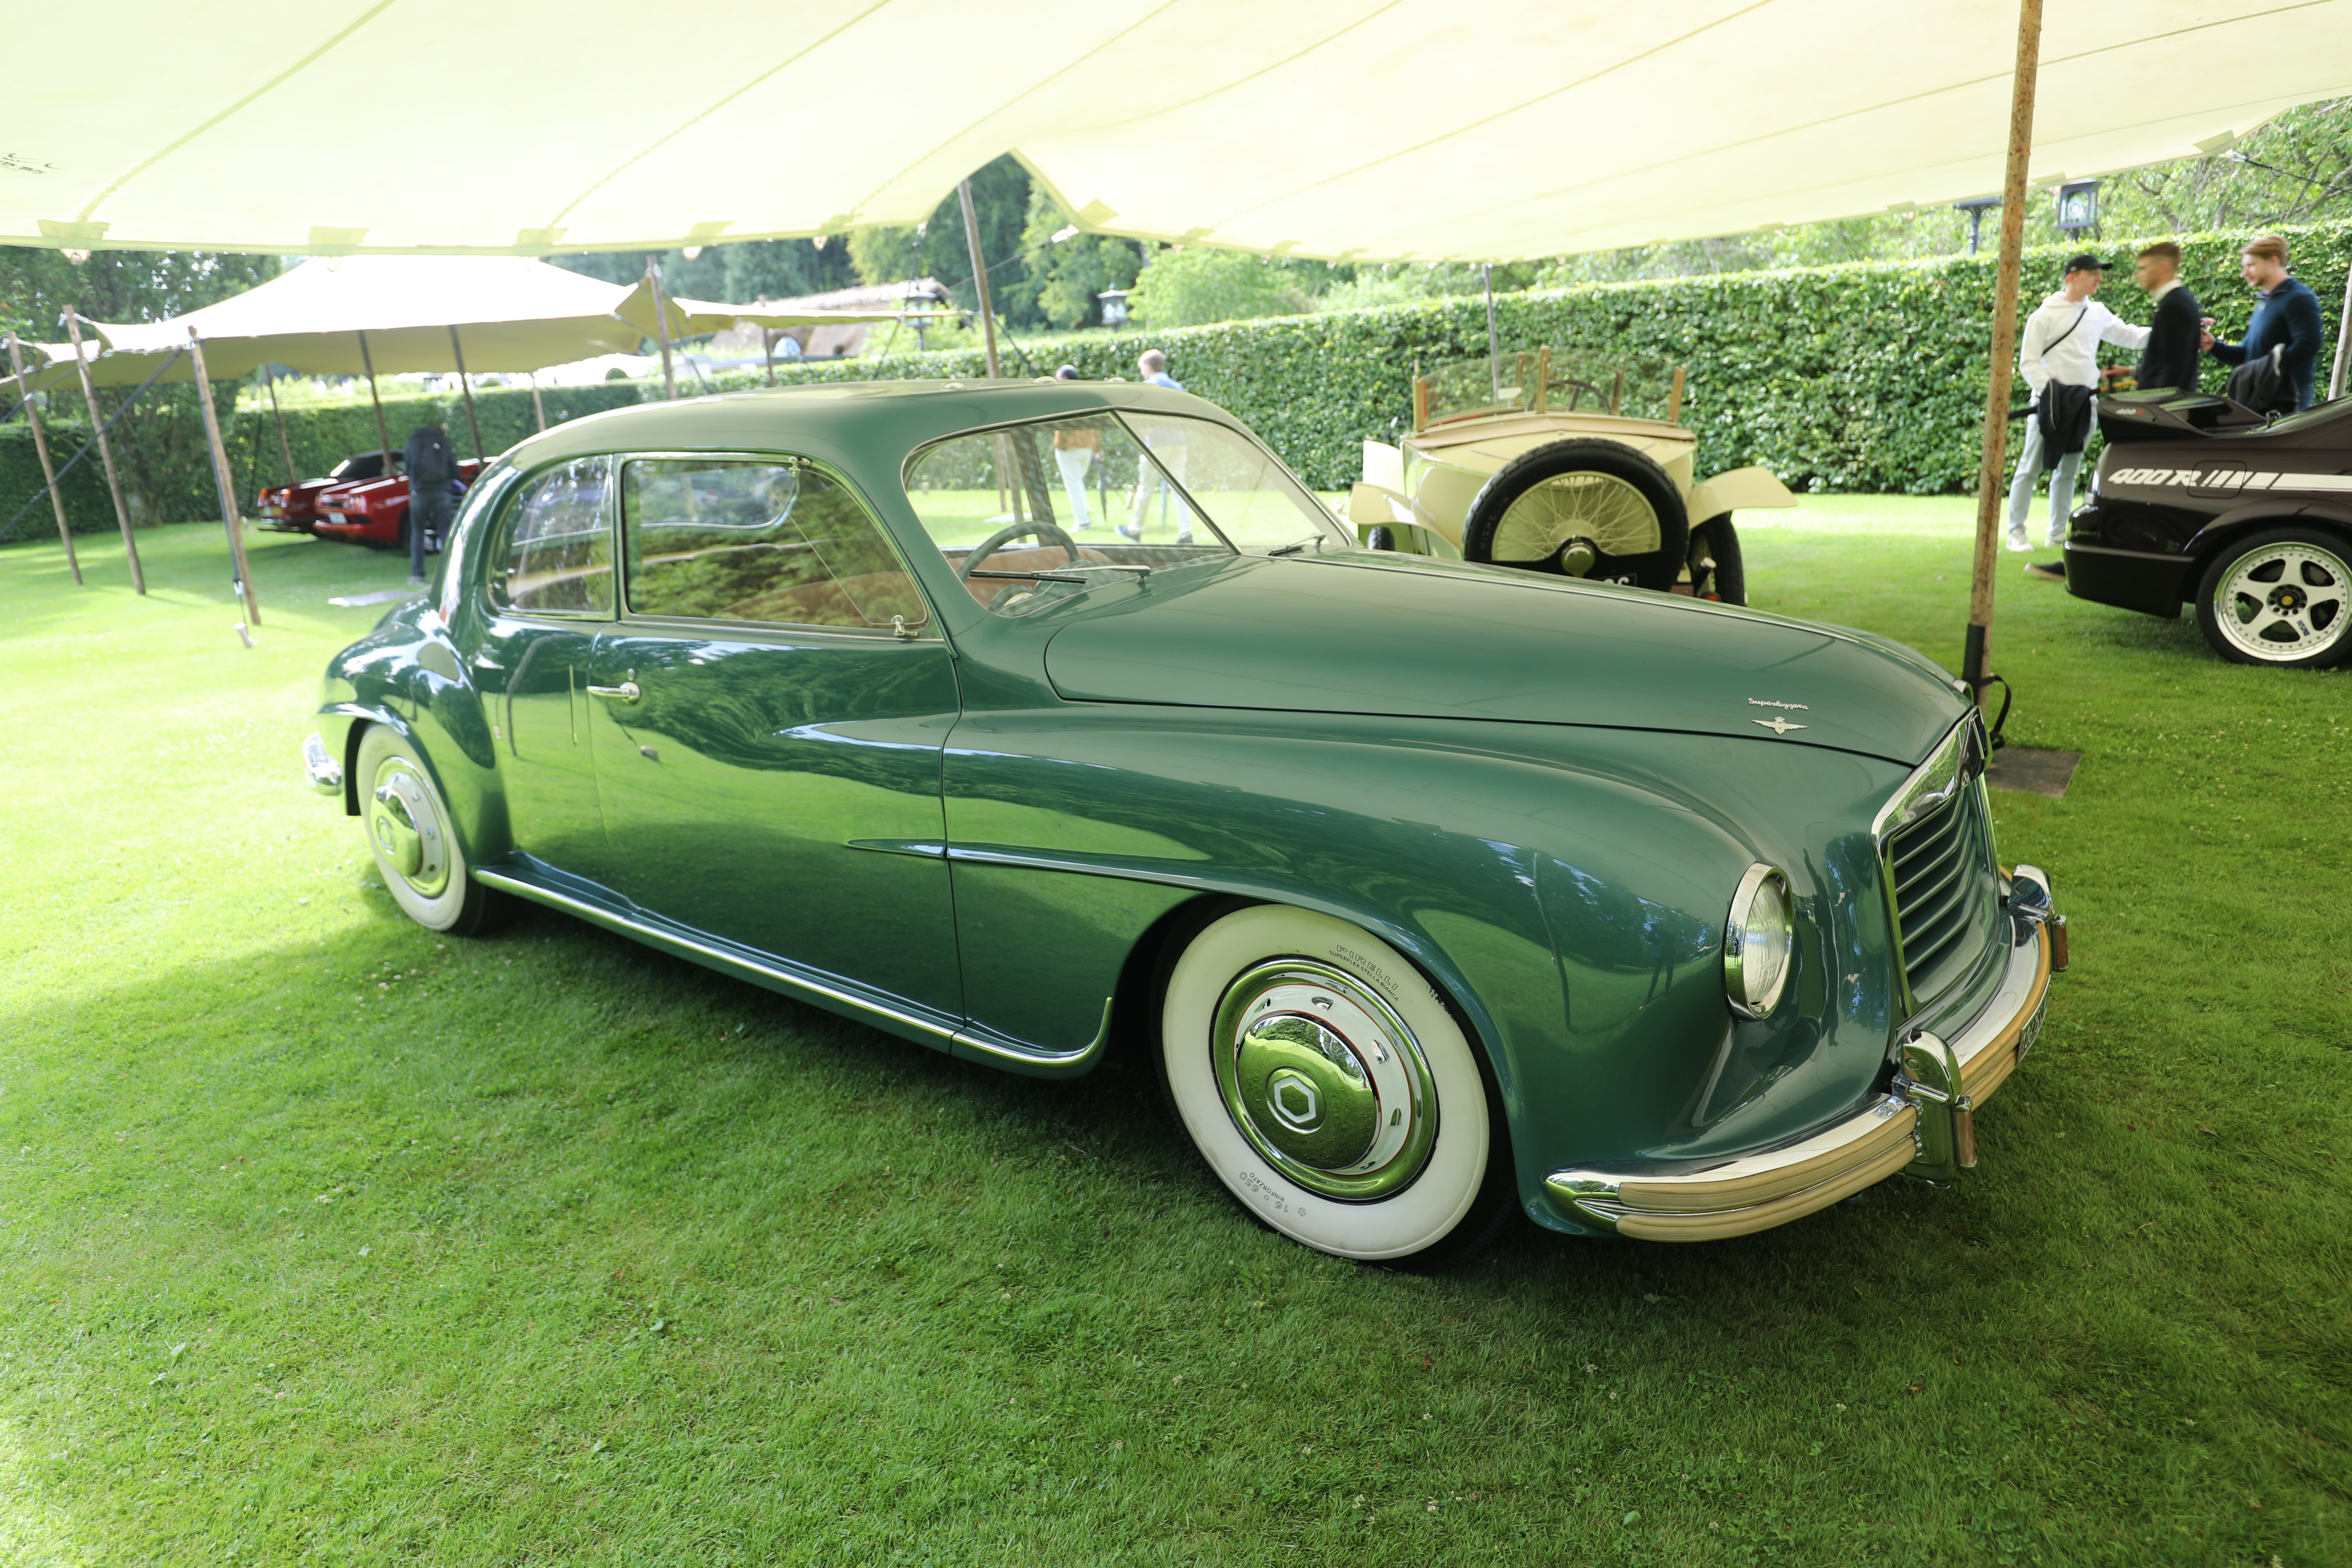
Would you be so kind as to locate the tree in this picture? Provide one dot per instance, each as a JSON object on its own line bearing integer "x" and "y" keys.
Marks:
{"x": 1191, "y": 285}
{"x": 1069, "y": 273}
{"x": 936, "y": 247}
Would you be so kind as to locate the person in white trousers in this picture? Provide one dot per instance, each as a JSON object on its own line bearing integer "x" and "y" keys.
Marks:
{"x": 1075, "y": 451}
{"x": 2061, "y": 343}
{"x": 1167, "y": 444}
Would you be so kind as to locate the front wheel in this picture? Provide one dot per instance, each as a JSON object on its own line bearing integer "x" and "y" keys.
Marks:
{"x": 2280, "y": 599}
{"x": 1331, "y": 1091}
{"x": 409, "y": 829}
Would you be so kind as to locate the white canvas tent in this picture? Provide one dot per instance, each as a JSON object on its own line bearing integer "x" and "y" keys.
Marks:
{"x": 1367, "y": 129}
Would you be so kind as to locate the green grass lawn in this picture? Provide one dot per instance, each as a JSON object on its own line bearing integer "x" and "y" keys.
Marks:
{"x": 325, "y": 1239}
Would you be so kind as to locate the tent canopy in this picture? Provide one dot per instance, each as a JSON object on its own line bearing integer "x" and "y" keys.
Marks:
{"x": 511, "y": 314}
{"x": 1375, "y": 130}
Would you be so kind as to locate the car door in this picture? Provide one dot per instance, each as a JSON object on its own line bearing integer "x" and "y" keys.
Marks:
{"x": 768, "y": 715}
{"x": 549, "y": 588}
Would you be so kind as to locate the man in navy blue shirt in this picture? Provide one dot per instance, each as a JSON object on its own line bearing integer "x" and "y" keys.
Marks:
{"x": 2287, "y": 317}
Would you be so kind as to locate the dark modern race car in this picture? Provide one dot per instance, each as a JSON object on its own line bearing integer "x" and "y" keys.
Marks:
{"x": 294, "y": 509}
{"x": 2199, "y": 501}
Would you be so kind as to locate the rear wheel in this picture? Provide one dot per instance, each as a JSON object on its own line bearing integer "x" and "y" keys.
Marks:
{"x": 1582, "y": 509}
{"x": 415, "y": 846}
{"x": 1716, "y": 570}
{"x": 2281, "y": 597}
{"x": 1332, "y": 1091}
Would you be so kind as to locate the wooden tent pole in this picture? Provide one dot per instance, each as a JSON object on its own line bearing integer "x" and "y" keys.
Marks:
{"x": 768, "y": 347}
{"x": 2007, "y": 282}
{"x": 980, "y": 278}
{"x": 41, "y": 447}
{"x": 459, "y": 350}
{"x": 106, "y": 454}
{"x": 382, "y": 435}
{"x": 538, "y": 409}
{"x": 284, "y": 446}
{"x": 661, "y": 328}
{"x": 2343, "y": 342}
{"x": 229, "y": 518}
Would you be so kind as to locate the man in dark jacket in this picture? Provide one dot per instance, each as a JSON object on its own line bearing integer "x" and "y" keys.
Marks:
{"x": 2169, "y": 358}
{"x": 2286, "y": 317}
{"x": 431, "y": 468}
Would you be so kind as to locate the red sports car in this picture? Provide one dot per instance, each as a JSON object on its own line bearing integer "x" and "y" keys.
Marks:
{"x": 293, "y": 509}
{"x": 374, "y": 512}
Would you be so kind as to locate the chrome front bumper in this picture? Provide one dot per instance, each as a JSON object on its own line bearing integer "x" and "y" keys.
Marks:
{"x": 325, "y": 774}
{"x": 1924, "y": 1126}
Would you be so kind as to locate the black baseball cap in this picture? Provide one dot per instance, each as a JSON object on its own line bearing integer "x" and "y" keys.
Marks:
{"x": 2085, "y": 262}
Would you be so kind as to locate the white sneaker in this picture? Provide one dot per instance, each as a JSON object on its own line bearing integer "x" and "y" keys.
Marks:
{"x": 2058, "y": 538}
{"x": 2017, "y": 539}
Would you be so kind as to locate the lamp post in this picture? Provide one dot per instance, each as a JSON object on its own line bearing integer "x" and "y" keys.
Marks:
{"x": 2078, "y": 206}
{"x": 1114, "y": 306}
{"x": 1975, "y": 210}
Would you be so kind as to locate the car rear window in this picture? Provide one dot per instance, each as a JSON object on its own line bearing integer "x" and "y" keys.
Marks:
{"x": 557, "y": 553}
{"x": 748, "y": 540}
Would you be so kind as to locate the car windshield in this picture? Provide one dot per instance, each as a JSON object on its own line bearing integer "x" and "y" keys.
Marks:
{"x": 1552, "y": 381}
{"x": 1028, "y": 514}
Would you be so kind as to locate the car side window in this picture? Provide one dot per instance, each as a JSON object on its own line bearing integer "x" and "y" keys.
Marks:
{"x": 752, "y": 540}
{"x": 556, "y": 549}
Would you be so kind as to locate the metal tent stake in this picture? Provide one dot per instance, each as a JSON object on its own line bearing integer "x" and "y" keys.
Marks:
{"x": 979, "y": 276}
{"x": 229, "y": 519}
{"x": 41, "y": 447}
{"x": 106, "y": 454}
{"x": 2006, "y": 285}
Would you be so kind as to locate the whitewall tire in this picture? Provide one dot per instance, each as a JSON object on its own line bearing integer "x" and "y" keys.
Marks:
{"x": 415, "y": 846}
{"x": 1330, "y": 1088}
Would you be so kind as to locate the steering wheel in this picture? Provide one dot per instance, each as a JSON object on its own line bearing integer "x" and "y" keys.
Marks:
{"x": 1003, "y": 536}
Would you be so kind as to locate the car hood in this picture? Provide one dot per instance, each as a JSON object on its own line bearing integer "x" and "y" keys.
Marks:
{"x": 1357, "y": 634}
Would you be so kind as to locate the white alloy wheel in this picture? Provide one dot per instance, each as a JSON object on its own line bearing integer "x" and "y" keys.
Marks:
{"x": 415, "y": 849}
{"x": 1328, "y": 1085}
{"x": 2280, "y": 599}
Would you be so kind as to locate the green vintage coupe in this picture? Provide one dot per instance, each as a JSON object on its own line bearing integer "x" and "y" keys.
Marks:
{"x": 1437, "y": 891}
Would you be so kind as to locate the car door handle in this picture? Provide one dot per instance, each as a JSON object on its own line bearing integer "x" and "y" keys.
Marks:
{"x": 626, "y": 691}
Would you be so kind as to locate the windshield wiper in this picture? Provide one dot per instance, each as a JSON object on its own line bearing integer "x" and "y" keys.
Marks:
{"x": 1294, "y": 549}
{"x": 1031, "y": 576}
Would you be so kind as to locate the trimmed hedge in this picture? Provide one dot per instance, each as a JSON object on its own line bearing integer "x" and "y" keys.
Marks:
{"x": 1859, "y": 377}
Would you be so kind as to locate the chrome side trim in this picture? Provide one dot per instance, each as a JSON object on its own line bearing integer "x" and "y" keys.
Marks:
{"x": 986, "y": 1045}
{"x": 325, "y": 774}
{"x": 1752, "y": 1192}
{"x": 933, "y": 1030}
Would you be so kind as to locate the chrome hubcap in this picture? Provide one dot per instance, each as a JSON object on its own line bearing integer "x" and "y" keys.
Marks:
{"x": 1600, "y": 512}
{"x": 405, "y": 828}
{"x": 2287, "y": 601}
{"x": 1324, "y": 1081}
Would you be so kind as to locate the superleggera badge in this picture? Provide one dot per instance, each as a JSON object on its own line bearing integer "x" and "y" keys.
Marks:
{"x": 1793, "y": 707}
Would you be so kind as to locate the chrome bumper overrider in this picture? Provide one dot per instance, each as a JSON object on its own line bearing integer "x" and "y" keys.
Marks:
{"x": 1924, "y": 1126}
{"x": 326, "y": 774}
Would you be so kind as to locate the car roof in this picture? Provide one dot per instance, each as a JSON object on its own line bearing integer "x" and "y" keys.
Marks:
{"x": 870, "y": 420}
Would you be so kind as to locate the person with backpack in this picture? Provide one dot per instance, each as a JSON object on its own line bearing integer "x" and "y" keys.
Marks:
{"x": 2058, "y": 355}
{"x": 2278, "y": 359}
{"x": 432, "y": 489}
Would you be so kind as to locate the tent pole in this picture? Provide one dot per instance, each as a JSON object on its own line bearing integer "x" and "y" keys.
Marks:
{"x": 106, "y": 454}
{"x": 1493, "y": 351}
{"x": 538, "y": 409}
{"x": 229, "y": 519}
{"x": 661, "y": 326}
{"x": 978, "y": 277}
{"x": 768, "y": 347}
{"x": 459, "y": 350}
{"x": 41, "y": 447}
{"x": 284, "y": 446}
{"x": 382, "y": 435}
{"x": 2343, "y": 342}
{"x": 2008, "y": 278}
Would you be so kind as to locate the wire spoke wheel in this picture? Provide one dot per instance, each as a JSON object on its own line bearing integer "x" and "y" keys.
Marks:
{"x": 2282, "y": 599}
{"x": 1581, "y": 508}
{"x": 1615, "y": 517}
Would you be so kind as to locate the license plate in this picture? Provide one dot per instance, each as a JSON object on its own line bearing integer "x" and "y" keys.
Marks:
{"x": 2033, "y": 1030}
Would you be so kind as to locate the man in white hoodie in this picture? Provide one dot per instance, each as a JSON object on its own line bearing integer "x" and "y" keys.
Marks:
{"x": 2060, "y": 344}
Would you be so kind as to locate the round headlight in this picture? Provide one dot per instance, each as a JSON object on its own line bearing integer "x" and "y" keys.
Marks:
{"x": 1759, "y": 941}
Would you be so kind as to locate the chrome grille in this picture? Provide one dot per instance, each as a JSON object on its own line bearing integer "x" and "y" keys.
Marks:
{"x": 1940, "y": 868}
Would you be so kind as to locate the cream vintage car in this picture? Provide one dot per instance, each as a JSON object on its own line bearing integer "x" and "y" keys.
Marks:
{"x": 1555, "y": 462}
